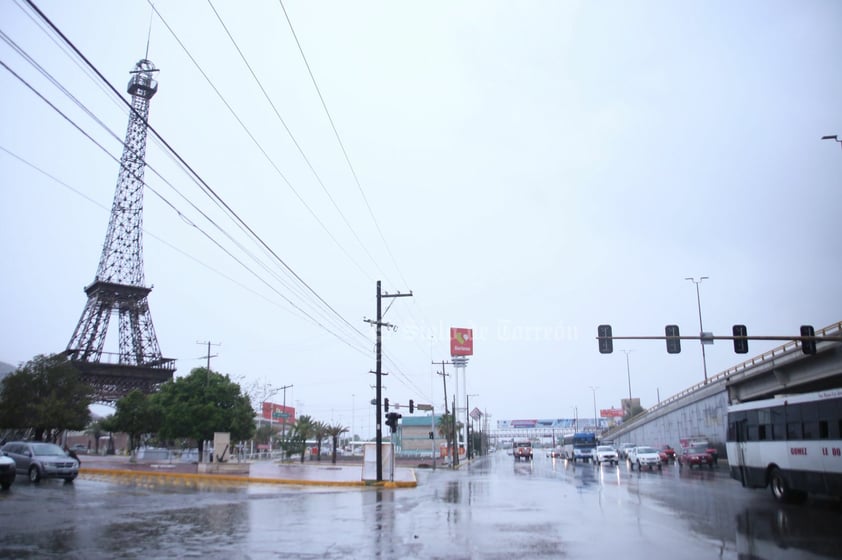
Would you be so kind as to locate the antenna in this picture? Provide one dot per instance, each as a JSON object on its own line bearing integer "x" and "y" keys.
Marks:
{"x": 149, "y": 34}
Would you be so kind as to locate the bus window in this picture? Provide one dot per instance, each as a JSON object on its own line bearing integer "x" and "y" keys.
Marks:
{"x": 778, "y": 423}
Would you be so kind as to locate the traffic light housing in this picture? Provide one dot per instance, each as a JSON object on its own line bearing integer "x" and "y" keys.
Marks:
{"x": 411, "y": 406}
{"x": 392, "y": 420}
{"x": 431, "y": 435}
{"x": 673, "y": 342}
{"x": 606, "y": 342}
{"x": 808, "y": 346}
{"x": 740, "y": 344}
{"x": 385, "y": 405}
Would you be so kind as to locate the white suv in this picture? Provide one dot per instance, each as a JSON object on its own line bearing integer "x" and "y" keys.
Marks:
{"x": 644, "y": 457}
{"x": 605, "y": 454}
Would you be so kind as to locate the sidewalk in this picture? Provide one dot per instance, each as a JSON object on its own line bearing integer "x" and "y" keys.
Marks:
{"x": 260, "y": 472}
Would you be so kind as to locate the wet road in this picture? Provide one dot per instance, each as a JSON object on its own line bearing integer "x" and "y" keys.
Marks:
{"x": 493, "y": 508}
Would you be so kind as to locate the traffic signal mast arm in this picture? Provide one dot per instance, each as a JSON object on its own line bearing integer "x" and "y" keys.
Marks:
{"x": 817, "y": 338}
{"x": 808, "y": 339}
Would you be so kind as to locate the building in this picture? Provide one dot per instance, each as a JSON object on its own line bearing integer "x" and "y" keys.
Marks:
{"x": 413, "y": 437}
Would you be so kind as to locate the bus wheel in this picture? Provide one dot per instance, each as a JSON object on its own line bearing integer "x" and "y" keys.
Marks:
{"x": 779, "y": 486}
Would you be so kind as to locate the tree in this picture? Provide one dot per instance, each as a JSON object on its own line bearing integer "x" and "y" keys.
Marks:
{"x": 320, "y": 433}
{"x": 46, "y": 395}
{"x": 445, "y": 428}
{"x": 96, "y": 430}
{"x": 633, "y": 411}
{"x": 200, "y": 404}
{"x": 334, "y": 431}
{"x": 135, "y": 416}
{"x": 301, "y": 431}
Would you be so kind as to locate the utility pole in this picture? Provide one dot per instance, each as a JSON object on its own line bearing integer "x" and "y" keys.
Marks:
{"x": 284, "y": 429}
{"x": 209, "y": 356}
{"x": 378, "y": 323}
{"x": 451, "y": 436}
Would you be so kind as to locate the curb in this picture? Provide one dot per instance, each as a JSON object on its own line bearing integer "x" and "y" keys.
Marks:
{"x": 126, "y": 473}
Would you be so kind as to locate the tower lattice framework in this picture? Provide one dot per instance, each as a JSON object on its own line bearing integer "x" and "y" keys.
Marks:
{"x": 118, "y": 287}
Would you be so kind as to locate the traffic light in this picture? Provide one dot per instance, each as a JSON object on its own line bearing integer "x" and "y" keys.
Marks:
{"x": 392, "y": 420}
{"x": 431, "y": 435}
{"x": 740, "y": 344}
{"x": 606, "y": 342}
{"x": 808, "y": 346}
{"x": 385, "y": 405}
{"x": 673, "y": 342}
{"x": 411, "y": 406}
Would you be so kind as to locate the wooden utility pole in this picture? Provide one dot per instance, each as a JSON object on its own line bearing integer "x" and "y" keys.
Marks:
{"x": 378, "y": 323}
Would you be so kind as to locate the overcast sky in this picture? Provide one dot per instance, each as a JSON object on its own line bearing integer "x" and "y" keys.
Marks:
{"x": 527, "y": 169}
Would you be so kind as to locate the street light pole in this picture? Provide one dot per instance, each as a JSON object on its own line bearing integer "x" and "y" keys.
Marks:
{"x": 701, "y": 329}
{"x": 628, "y": 372}
{"x": 833, "y": 137}
{"x": 595, "y": 418}
{"x": 468, "y": 419}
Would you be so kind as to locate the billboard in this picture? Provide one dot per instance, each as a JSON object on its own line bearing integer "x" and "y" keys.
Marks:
{"x": 611, "y": 413}
{"x": 278, "y": 413}
{"x": 461, "y": 342}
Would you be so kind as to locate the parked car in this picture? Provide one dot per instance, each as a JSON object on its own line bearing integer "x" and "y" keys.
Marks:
{"x": 605, "y": 454}
{"x": 623, "y": 450}
{"x": 695, "y": 456}
{"x": 644, "y": 456}
{"x": 80, "y": 448}
{"x": 667, "y": 454}
{"x": 38, "y": 460}
{"x": 7, "y": 471}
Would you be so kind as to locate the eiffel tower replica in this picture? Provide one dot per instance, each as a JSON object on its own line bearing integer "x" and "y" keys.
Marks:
{"x": 118, "y": 288}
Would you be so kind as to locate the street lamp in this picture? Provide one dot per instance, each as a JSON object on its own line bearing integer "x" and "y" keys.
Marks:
{"x": 628, "y": 372}
{"x": 834, "y": 137}
{"x": 701, "y": 329}
{"x": 595, "y": 418}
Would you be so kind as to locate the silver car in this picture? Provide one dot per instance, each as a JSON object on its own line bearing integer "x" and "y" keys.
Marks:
{"x": 38, "y": 460}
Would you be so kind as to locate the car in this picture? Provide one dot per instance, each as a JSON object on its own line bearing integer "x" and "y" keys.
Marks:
{"x": 7, "y": 471}
{"x": 623, "y": 450}
{"x": 667, "y": 454}
{"x": 522, "y": 449}
{"x": 38, "y": 460}
{"x": 554, "y": 452}
{"x": 80, "y": 448}
{"x": 605, "y": 454}
{"x": 695, "y": 456}
{"x": 644, "y": 456}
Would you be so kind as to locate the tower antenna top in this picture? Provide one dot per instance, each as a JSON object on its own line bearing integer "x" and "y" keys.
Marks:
{"x": 149, "y": 34}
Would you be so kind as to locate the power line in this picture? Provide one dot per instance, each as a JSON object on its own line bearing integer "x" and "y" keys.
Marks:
{"x": 196, "y": 177}
{"x": 342, "y": 145}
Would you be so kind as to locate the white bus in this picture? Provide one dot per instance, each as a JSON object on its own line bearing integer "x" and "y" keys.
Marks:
{"x": 792, "y": 443}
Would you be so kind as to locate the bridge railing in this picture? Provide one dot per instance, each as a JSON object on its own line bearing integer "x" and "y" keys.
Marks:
{"x": 770, "y": 355}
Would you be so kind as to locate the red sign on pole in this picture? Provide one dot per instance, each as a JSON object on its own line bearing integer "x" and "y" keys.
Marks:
{"x": 461, "y": 342}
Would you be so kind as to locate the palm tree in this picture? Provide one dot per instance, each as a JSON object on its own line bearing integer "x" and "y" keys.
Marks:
{"x": 301, "y": 431}
{"x": 320, "y": 432}
{"x": 446, "y": 430}
{"x": 334, "y": 432}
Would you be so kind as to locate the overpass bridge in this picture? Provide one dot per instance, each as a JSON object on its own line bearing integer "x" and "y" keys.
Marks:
{"x": 702, "y": 410}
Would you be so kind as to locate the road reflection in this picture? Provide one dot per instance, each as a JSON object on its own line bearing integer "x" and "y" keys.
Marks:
{"x": 790, "y": 531}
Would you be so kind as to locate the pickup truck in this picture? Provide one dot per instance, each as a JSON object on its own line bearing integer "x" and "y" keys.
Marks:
{"x": 522, "y": 450}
